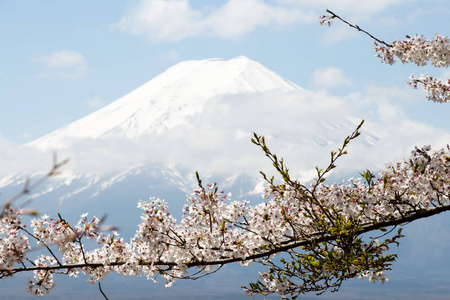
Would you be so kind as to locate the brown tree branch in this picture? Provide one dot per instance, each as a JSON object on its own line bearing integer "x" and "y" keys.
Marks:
{"x": 365, "y": 228}
{"x": 333, "y": 15}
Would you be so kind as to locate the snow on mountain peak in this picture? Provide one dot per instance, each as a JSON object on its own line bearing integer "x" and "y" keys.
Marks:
{"x": 165, "y": 101}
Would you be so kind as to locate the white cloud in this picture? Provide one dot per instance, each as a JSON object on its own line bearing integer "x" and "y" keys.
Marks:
{"x": 173, "y": 20}
{"x": 64, "y": 64}
{"x": 162, "y": 20}
{"x": 15, "y": 159}
{"x": 25, "y": 135}
{"x": 171, "y": 55}
{"x": 96, "y": 102}
{"x": 302, "y": 127}
{"x": 240, "y": 17}
{"x": 62, "y": 59}
{"x": 329, "y": 77}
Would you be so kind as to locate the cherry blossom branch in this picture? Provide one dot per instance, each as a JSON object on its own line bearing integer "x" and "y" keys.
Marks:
{"x": 322, "y": 228}
{"x": 416, "y": 49}
{"x": 324, "y": 20}
{"x": 437, "y": 90}
{"x": 29, "y": 187}
{"x": 42, "y": 243}
{"x": 336, "y": 233}
{"x": 283, "y": 247}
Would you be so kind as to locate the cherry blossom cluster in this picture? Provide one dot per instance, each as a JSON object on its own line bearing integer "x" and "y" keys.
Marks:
{"x": 43, "y": 279}
{"x": 13, "y": 243}
{"x": 324, "y": 20}
{"x": 402, "y": 191}
{"x": 437, "y": 90}
{"x": 215, "y": 230}
{"x": 418, "y": 50}
{"x": 422, "y": 182}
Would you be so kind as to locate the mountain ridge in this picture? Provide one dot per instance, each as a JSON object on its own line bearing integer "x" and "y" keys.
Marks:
{"x": 196, "y": 116}
{"x": 165, "y": 101}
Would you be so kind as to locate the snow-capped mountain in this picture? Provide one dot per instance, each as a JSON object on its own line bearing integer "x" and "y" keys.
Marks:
{"x": 167, "y": 100}
{"x": 125, "y": 150}
{"x": 197, "y": 115}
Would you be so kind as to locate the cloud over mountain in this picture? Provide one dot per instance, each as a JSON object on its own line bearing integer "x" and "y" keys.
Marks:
{"x": 201, "y": 115}
{"x": 62, "y": 64}
{"x": 174, "y": 20}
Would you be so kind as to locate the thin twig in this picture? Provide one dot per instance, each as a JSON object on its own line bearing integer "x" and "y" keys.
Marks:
{"x": 101, "y": 291}
{"x": 28, "y": 187}
{"x": 357, "y": 28}
{"x": 42, "y": 242}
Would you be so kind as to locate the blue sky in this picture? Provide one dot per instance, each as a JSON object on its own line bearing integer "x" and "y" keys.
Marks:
{"x": 61, "y": 60}
{"x": 64, "y": 60}
{"x": 107, "y": 49}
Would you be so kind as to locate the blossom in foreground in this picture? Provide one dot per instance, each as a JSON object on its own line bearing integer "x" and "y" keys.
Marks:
{"x": 319, "y": 227}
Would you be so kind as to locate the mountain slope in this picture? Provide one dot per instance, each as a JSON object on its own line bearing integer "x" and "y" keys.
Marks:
{"x": 199, "y": 116}
{"x": 165, "y": 101}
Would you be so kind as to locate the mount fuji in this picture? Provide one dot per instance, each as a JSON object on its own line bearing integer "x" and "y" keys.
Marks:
{"x": 168, "y": 100}
{"x": 197, "y": 115}
{"x": 200, "y": 116}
